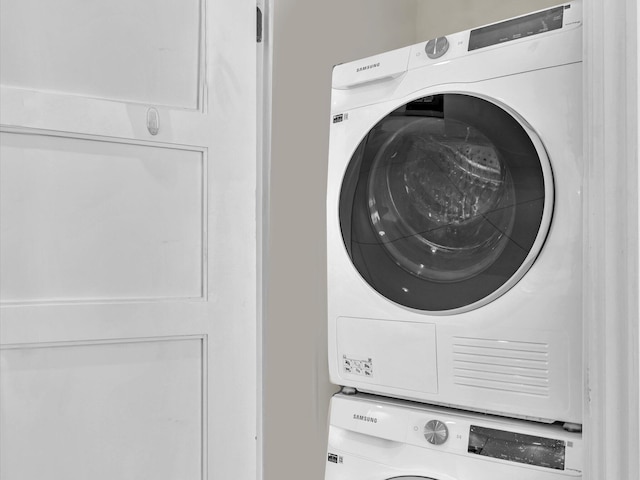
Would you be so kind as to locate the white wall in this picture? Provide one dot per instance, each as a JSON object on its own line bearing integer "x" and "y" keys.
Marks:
{"x": 308, "y": 39}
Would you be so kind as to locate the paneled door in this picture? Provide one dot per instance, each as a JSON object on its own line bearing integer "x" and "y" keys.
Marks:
{"x": 128, "y": 252}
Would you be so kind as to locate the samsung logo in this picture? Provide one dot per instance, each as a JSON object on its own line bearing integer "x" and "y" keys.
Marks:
{"x": 368, "y": 67}
{"x": 363, "y": 418}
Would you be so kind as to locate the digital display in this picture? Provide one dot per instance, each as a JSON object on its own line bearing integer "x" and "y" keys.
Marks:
{"x": 517, "y": 28}
{"x": 517, "y": 447}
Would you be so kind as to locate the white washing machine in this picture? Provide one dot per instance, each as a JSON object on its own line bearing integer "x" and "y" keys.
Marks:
{"x": 375, "y": 439}
{"x": 455, "y": 220}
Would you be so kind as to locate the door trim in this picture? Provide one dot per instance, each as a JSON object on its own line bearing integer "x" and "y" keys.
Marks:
{"x": 611, "y": 305}
{"x": 264, "y": 58}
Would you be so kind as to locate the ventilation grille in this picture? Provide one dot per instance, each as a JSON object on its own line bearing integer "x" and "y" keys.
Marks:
{"x": 509, "y": 366}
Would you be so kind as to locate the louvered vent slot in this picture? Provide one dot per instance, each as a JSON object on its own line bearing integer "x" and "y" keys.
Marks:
{"x": 518, "y": 367}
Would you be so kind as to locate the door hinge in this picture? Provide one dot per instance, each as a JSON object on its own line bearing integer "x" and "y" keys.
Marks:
{"x": 259, "y": 25}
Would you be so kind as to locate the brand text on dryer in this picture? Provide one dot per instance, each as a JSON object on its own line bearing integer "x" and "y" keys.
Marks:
{"x": 364, "y": 418}
{"x": 368, "y": 67}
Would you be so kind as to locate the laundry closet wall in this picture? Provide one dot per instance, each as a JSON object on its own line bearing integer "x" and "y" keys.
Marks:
{"x": 308, "y": 39}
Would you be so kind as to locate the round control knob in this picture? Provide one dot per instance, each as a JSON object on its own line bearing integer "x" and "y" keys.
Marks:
{"x": 436, "y": 432}
{"x": 437, "y": 47}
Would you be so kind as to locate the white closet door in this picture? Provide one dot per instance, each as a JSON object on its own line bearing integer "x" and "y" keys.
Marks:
{"x": 127, "y": 240}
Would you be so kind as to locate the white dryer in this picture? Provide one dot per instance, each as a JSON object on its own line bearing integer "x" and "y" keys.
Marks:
{"x": 375, "y": 439}
{"x": 455, "y": 220}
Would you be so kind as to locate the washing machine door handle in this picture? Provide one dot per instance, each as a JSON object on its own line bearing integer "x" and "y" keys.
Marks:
{"x": 421, "y": 477}
{"x": 412, "y": 478}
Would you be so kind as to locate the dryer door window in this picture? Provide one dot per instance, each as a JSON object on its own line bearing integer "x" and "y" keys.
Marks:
{"x": 445, "y": 203}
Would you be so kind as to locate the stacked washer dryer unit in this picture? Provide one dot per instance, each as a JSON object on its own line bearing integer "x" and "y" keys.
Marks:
{"x": 455, "y": 223}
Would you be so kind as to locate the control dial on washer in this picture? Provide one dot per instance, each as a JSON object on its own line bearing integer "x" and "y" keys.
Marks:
{"x": 436, "y": 47}
{"x": 436, "y": 432}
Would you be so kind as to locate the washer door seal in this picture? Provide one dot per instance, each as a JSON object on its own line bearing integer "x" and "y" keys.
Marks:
{"x": 446, "y": 203}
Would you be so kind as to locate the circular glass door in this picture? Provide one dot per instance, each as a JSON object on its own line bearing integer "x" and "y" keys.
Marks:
{"x": 445, "y": 203}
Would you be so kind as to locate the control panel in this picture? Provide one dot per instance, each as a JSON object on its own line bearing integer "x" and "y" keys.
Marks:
{"x": 494, "y": 438}
{"x": 548, "y": 21}
{"x": 518, "y": 447}
{"x": 517, "y": 28}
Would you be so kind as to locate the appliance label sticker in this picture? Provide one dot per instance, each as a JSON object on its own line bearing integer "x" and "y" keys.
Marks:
{"x": 333, "y": 458}
{"x": 341, "y": 117}
{"x": 357, "y": 366}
